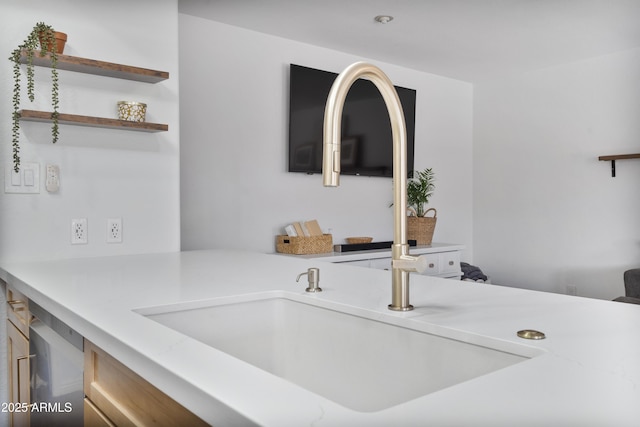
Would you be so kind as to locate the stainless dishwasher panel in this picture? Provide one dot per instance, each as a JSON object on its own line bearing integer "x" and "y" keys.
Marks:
{"x": 57, "y": 366}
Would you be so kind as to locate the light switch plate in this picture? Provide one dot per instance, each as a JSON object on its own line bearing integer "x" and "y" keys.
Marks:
{"x": 25, "y": 181}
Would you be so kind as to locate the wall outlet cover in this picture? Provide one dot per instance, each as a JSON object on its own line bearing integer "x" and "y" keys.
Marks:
{"x": 114, "y": 230}
{"x": 79, "y": 231}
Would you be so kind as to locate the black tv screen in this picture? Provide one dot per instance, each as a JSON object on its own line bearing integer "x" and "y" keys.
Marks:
{"x": 367, "y": 147}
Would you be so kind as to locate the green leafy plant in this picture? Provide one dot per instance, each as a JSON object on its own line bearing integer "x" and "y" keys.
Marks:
{"x": 45, "y": 35}
{"x": 420, "y": 187}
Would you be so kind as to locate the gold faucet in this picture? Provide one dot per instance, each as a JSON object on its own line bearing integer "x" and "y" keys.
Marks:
{"x": 402, "y": 263}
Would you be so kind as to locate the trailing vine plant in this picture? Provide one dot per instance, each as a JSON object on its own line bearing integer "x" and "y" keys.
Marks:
{"x": 45, "y": 36}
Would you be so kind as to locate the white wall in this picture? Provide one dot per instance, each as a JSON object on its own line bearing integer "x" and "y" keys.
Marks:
{"x": 104, "y": 173}
{"x": 547, "y": 213}
{"x": 235, "y": 190}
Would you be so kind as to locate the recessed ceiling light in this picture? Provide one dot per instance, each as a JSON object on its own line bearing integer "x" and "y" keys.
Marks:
{"x": 383, "y": 19}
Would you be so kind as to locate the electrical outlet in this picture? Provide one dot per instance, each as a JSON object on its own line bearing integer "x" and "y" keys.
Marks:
{"x": 79, "y": 231}
{"x": 114, "y": 230}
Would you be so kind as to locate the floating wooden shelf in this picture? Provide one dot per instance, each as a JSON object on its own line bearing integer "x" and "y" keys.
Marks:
{"x": 100, "y": 68}
{"x": 100, "y": 122}
{"x": 615, "y": 157}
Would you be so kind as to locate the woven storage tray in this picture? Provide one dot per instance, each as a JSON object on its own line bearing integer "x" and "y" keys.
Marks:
{"x": 304, "y": 245}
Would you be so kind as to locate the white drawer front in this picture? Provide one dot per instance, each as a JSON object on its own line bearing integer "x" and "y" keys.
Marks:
{"x": 433, "y": 264}
{"x": 449, "y": 262}
{"x": 443, "y": 264}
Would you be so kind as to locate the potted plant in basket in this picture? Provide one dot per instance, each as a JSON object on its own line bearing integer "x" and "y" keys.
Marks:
{"x": 420, "y": 187}
{"x": 51, "y": 43}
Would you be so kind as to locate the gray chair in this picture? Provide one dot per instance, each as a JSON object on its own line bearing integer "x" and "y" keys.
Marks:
{"x": 631, "y": 287}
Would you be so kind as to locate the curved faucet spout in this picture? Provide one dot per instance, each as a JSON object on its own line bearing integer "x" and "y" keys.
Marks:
{"x": 402, "y": 263}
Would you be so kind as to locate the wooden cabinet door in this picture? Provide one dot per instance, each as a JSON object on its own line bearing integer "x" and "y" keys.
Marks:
{"x": 18, "y": 357}
{"x": 93, "y": 417}
{"x": 124, "y": 398}
{"x": 18, "y": 310}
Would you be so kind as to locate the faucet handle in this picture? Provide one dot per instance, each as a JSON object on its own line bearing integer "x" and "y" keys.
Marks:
{"x": 313, "y": 275}
{"x": 418, "y": 264}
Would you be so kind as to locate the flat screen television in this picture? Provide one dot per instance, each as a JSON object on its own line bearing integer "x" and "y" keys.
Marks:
{"x": 366, "y": 130}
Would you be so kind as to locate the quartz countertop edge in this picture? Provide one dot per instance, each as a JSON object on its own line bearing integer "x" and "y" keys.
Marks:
{"x": 588, "y": 374}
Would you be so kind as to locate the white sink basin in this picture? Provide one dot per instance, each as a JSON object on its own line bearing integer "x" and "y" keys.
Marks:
{"x": 358, "y": 362}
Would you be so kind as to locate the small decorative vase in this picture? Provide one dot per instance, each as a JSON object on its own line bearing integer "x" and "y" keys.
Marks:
{"x": 132, "y": 111}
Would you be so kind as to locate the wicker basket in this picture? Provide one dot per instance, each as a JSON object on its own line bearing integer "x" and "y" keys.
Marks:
{"x": 304, "y": 245}
{"x": 421, "y": 229}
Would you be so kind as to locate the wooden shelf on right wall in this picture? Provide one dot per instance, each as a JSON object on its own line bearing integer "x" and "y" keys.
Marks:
{"x": 613, "y": 158}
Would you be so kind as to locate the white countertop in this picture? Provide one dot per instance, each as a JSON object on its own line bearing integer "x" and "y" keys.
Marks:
{"x": 589, "y": 374}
